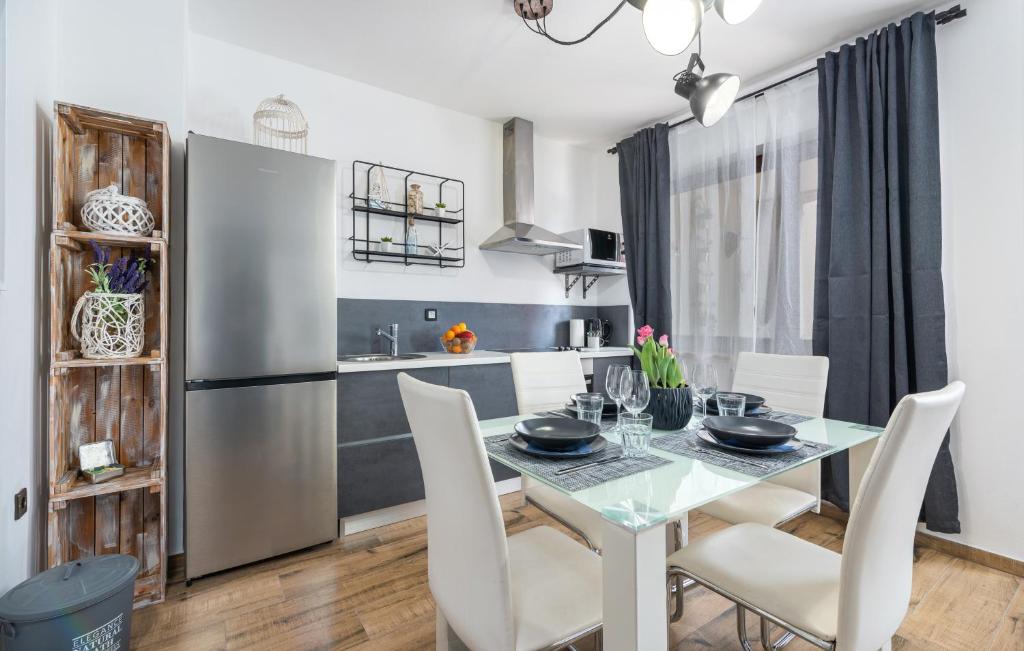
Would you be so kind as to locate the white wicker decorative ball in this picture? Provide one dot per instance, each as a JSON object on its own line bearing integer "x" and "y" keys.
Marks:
{"x": 108, "y": 211}
{"x": 280, "y": 124}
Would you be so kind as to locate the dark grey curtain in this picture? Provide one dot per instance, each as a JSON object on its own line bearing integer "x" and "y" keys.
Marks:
{"x": 878, "y": 300}
{"x": 644, "y": 196}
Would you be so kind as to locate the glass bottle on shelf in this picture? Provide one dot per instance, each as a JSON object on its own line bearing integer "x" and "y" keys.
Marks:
{"x": 414, "y": 200}
{"x": 411, "y": 239}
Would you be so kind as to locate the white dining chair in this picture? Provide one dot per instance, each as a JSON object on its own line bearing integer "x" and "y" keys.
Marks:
{"x": 543, "y": 382}
{"x": 791, "y": 383}
{"x": 850, "y": 602}
{"x": 537, "y": 589}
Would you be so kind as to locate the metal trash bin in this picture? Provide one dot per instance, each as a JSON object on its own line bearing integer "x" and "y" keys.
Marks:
{"x": 83, "y": 605}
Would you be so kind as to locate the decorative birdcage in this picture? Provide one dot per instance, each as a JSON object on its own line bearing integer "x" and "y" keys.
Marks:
{"x": 280, "y": 124}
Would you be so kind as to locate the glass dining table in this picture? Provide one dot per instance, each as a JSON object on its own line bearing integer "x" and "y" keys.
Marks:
{"x": 636, "y": 509}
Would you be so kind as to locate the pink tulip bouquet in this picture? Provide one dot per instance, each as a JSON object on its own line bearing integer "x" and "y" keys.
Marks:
{"x": 658, "y": 360}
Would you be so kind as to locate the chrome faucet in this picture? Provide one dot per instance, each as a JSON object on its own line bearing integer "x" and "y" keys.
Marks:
{"x": 392, "y": 336}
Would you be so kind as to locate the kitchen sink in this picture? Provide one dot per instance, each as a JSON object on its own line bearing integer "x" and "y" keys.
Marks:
{"x": 378, "y": 358}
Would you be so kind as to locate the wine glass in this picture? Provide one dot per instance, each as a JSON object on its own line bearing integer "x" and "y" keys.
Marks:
{"x": 705, "y": 384}
{"x": 612, "y": 383}
{"x": 635, "y": 390}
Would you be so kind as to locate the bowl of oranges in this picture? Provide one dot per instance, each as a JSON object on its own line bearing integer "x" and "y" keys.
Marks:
{"x": 458, "y": 340}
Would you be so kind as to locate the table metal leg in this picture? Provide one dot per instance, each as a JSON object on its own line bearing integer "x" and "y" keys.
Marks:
{"x": 635, "y": 617}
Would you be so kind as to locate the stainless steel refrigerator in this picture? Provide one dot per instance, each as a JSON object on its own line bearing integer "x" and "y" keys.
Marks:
{"x": 260, "y": 353}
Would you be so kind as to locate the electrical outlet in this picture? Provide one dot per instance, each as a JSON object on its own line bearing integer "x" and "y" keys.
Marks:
{"x": 430, "y": 314}
{"x": 20, "y": 503}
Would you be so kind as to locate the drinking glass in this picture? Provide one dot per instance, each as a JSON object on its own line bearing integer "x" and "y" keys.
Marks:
{"x": 731, "y": 404}
{"x": 705, "y": 385}
{"x": 611, "y": 385}
{"x": 635, "y": 431}
{"x": 589, "y": 407}
{"x": 635, "y": 391}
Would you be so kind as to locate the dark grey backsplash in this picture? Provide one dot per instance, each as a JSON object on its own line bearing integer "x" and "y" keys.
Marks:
{"x": 497, "y": 325}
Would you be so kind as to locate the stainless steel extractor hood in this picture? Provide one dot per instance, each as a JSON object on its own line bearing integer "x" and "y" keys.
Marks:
{"x": 520, "y": 234}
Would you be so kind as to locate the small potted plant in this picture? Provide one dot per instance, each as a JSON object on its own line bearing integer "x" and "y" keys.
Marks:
{"x": 441, "y": 208}
{"x": 386, "y": 243}
{"x": 671, "y": 404}
{"x": 112, "y": 314}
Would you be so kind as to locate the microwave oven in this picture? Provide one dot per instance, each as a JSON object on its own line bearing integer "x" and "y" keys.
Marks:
{"x": 600, "y": 248}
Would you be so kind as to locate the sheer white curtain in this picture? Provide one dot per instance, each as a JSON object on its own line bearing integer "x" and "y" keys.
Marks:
{"x": 743, "y": 217}
{"x": 787, "y": 124}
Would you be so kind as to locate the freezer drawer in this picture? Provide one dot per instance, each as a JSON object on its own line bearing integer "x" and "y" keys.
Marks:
{"x": 260, "y": 262}
{"x": 260, "y": 472}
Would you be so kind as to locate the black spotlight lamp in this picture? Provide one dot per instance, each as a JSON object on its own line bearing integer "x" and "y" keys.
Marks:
{"x": 710, "y": 96}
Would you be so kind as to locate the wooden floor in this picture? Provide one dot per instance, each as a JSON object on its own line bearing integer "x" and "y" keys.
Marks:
{"x": 369, "y": 591}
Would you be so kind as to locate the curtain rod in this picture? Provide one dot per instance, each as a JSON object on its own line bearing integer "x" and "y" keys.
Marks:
{"x": 941, "y": 18}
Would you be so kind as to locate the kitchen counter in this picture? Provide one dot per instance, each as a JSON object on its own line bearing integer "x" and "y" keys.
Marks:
{"x": 476, "y": 357}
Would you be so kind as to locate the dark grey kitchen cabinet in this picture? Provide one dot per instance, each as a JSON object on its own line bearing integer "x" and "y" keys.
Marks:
{"x": 378, "y": 474}
{"x": 369, "y": 405}
{"x": 494, "y": 396}
{"x": 377, "y": 462}
{"x": 601, "y": 365}
{"x": 489, "y": 385}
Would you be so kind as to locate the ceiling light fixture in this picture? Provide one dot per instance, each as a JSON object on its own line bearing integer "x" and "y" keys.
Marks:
{"x": 710, "y": 97}
{"x": 735, "y": 12}
{"x": 670, "y": 27}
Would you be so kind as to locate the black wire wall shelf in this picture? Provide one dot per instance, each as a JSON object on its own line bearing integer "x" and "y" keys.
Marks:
{"x": 451, "y": 224}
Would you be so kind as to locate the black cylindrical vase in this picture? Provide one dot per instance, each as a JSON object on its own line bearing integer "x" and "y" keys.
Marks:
{"x": 670, "y": 408}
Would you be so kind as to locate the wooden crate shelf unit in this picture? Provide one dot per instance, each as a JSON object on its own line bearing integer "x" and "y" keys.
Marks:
{"x": 123, "y": 400}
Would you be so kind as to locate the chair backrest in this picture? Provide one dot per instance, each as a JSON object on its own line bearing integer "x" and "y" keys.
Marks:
{"x": 545, "y": 381}
{"x": 878, "y": 552}
{"x": 793, "y": 383}
{"x": 467, "y": 552}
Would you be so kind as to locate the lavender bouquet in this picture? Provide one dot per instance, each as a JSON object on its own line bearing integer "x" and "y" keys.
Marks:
{"x": 113, "y": 314}
{"x": 127, "y": 275}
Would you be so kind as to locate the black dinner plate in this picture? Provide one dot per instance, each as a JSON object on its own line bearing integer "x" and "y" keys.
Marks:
{"x": 789, "y": 446}
{"x": 557, "y": 433}
{"x": 607, "y": 410}
{"x": 748, "y": 432}
{"x": 585, "y": 450}
{"x": 753, "y": 401}
{"x": 757, "y": 411}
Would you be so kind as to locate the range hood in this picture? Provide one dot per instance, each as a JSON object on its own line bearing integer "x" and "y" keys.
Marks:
{"x": 520, "y": 234}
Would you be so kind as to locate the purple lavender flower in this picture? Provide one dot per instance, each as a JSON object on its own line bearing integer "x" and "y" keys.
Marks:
{"x": 127, "y": 275}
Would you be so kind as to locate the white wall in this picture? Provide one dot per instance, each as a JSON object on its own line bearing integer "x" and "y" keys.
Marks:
{"x": 981, "y": 111}
{"x": 24, "y": 344}
{"x": 351, "y": 120}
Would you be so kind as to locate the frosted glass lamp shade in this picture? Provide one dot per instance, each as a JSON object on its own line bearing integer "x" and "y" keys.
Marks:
{"x": 671, "y": 25}
{"x": 735, "y": 12}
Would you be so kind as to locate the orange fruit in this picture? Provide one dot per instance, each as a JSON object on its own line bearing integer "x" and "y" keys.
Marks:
{"x": 448, "y": 336}
{"x": 456, "y": 349}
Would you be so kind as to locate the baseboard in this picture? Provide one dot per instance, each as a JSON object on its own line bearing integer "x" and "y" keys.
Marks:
{"x": 176, "y": 568}
{"x": 383, "y": 517}
{"x": 959, "y": 550}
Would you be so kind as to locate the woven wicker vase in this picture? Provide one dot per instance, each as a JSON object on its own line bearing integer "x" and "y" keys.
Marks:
{"x": 671, "y": 409}
{"x": 112, "y": 325}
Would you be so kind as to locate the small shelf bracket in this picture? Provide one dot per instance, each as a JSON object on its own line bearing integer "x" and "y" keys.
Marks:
{"x": 572, "y": 279}
{"x": 570, "y": 284}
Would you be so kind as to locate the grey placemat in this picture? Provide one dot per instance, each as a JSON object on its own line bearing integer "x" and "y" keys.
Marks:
{"x": 786, "y": 417}
{"x": 687, "y": 444}
{"x": 499, "y": 447}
